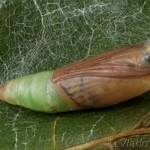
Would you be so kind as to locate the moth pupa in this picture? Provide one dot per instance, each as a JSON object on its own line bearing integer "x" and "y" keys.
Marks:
{"x": 100, "y": 81}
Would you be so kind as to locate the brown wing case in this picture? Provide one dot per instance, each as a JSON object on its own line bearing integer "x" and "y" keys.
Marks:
{"x": 125, "y": 62}
{"x": 107, "y": 79}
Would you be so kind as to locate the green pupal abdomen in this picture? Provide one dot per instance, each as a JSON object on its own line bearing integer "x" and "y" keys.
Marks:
{"x": 36, "y": 92}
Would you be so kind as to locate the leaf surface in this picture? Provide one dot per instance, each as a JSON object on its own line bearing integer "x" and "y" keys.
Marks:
{"x": 45, "y": 35}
